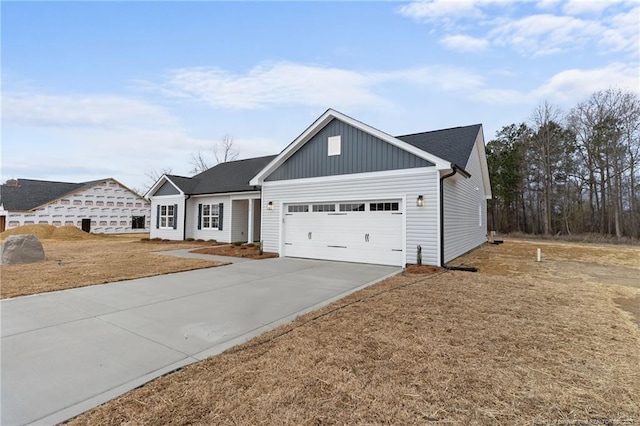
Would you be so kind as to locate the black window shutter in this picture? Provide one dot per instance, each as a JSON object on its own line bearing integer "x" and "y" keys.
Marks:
{"x": 220, "y": 216}
{"x": 199, "y": 216}
{"x": 175, "y": 216}
{"x": 158, "y": 217}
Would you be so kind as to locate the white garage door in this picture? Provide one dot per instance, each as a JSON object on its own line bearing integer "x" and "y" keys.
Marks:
{"x": 367, "y": 232}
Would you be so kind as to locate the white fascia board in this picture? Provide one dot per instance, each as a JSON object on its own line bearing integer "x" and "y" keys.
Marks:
{"x": 322, "y": 121}
{"x": 241, "y": 195}
{"x": 161, "y": 180}
{"x": 417, "y": 171}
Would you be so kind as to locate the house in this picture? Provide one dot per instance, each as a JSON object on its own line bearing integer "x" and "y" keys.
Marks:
{"x": 219, "y": 203}
{"x": 100, "y": 206}
{"x": 344, "y": 191}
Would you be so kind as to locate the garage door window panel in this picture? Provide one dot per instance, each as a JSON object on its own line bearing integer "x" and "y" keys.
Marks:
{"x": 384, "y": 207}
{"x": 324, "y": 207}
{"x": 352, "y": 207}
{"x": 298, "y": 208}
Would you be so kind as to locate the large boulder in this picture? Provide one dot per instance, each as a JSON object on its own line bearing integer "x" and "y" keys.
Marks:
{"x": 21, "y": 249}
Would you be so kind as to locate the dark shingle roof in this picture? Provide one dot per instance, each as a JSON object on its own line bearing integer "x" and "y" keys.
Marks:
{"x": 31, "y": 193}
{"x": 453, "y": 144}
{"x": 233, "y": 176}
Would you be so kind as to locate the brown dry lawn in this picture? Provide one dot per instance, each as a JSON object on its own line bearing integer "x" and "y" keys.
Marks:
{"x": 76, "y": 259}
{"x": 519, "y": 342}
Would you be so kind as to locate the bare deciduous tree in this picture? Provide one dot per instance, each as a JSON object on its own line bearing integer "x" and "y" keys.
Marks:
{"x": 223, "y": 151}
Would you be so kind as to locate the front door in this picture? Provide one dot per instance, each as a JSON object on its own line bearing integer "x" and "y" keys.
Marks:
{"x": 86, "y": 225}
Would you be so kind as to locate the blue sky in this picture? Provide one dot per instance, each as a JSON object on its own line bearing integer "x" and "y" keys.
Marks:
{"x": 117, "y": 89}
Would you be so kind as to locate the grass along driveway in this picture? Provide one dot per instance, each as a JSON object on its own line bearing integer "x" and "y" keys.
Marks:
{"x": 517, "y": 343}
{"x": 72, "y": 263}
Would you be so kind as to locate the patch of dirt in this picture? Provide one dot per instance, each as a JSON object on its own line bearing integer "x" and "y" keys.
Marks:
{"x": 630, "y": 305}
{"x": 421, "y": 269}
{"x": 78, "y": 263}
{"x": 245, "y": 250}
{"x": 520, "y": 342}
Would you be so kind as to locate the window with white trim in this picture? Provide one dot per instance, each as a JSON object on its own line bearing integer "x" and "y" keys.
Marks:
{"x": 167, "y": 216}
{"x": 210, "y": 216}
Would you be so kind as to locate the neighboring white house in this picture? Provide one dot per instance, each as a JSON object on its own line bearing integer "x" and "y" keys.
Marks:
{"x": 344, "y": 191}
{"x": 101, "y": 206}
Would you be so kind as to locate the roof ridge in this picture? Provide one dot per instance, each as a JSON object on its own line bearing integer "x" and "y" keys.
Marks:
{"x": 438, "y": 130}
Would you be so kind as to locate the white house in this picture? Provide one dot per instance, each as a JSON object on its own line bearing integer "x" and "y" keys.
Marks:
{"x": 101, "y": 206}
{"x": 219, "y": 204}
{"x": 344, "y": 191}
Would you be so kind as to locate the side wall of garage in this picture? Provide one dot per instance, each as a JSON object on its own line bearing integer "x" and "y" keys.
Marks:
{"x": 420, "y": 222}
{"x": 465, "y": 210}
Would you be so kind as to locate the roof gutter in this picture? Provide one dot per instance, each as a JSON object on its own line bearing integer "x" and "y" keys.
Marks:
{"x": 454, "y": 169}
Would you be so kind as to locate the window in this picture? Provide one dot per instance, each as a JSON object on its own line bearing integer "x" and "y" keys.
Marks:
{"x": 210, "y": 216}
{"x": 324, "y": 207}
{"x": 298, "y": 208}
{"x": 137, "y": 222}
{"x": 353, "y": 207}
{"x": 333, "y": 145}
{"x": 167, "y": 216}
{"x": 384, "y": 207}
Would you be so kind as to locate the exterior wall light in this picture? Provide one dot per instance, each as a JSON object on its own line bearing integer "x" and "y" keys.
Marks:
{"x": 270, "y": 205}
{"x": 420, "y": 201}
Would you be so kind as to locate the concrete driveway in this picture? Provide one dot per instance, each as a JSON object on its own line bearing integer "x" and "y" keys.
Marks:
{"x": 65, "y": 352}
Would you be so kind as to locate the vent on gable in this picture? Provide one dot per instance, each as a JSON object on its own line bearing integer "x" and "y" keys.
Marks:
{"x": 333, "y": 145}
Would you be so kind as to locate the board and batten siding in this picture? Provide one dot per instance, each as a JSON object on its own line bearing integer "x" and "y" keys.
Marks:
{"x": 167, "y": 200}
{"x": 465, "y": 209}
{"x": 360, "y": 152}
{"x": 406, "y": 185}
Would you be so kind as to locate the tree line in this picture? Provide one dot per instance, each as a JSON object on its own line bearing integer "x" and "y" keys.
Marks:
{"x": 569, "y": 172}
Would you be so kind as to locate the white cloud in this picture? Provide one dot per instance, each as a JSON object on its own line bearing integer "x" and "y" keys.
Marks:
{"x": 281, "y": 83}
{"x": 441, "y": 10}
{"x": 90, "y": 110}
{"x": 545, "y": 34}
{"x": 611, "y": 25}
{"x": 291, "y": 84}
{"x": 580, "y": 7}
{"x": 567, "y": 87}
{"x": 575, "y": 84}
{"x": 464, "y": 43}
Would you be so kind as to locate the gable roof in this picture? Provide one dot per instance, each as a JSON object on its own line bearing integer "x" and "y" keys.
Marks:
{"x": 322, "y": 121}
{"x": 454, "y": 144}
{"x": 232, "y": 176}
{"x": 32, "y": 193}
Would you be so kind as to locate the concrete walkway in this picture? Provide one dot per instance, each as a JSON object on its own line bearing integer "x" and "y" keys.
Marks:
{"x": 65, "y": 352}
